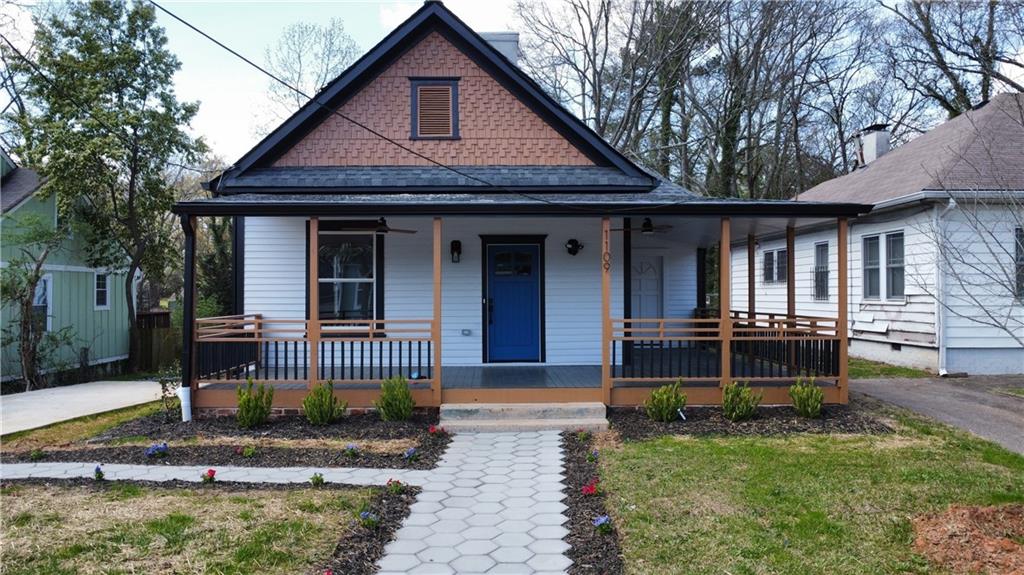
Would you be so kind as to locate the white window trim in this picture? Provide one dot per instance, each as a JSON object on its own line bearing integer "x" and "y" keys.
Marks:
{"x": 883, "y": 275}
{"x": 775, "y": 266}
{"x": 95, "y": 290}
{"x": 828, "y": 270}
{"x": 373, "y": 281}
{"x": 48, "y": 278}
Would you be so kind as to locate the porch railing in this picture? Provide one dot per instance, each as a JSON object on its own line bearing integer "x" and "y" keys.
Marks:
{"x": 281, "y": 350}
{"x": 766, "y": 346}
{"x": 655, "y": 350}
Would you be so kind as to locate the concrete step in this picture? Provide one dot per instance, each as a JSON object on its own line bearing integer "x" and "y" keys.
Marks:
{"x": 521, "y": 411}
{"x": 475, "y": 425}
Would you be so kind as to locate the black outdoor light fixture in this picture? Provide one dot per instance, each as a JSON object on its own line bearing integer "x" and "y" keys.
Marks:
{"x": 456, "y": 250}
{"x": 647, "y": 227}
{"x": 573, "y": 246}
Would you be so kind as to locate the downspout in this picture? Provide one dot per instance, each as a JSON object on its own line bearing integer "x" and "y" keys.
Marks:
{"x": 940, "y": 285}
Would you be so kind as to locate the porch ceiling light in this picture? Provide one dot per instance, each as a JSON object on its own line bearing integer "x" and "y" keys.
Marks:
{"x": 456, "y": 251}
{"x": 573, "y": 246}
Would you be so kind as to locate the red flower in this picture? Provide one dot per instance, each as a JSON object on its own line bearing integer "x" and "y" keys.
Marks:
{"x": 590, "y": 488}
{"x": 432, "y": 429}
{"x": 328, "y": 572}
{"x": 211, "y": 472}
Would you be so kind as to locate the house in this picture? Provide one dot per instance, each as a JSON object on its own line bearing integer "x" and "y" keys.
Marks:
{"x": 433, "y": 214}
{"x": 936, "y": 268}
{"x": 86, "y": 301}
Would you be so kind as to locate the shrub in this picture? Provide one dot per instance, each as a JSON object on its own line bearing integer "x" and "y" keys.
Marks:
{"x": 395, "y": 403}
{"x": 665, "y": 403}
{"x": 247, "y": 451}
{"x": 807, "y": 398}
{"x": 37, "y": 455}
{"x": 739, "y": 402}
{"x": 322, "y": 407}
{"x": 317, "y": 480}
{"x": 254, "y": 405}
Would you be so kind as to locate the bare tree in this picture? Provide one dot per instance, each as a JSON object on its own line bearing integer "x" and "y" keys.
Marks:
{"x": 307, "y": 56}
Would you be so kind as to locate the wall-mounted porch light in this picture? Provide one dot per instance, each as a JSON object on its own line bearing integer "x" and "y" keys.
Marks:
{"x": 456, "y": 250}
{"x": 573, "y": 246}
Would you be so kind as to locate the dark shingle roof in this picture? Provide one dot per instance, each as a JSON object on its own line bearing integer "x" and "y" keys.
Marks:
{"x": 979, "y": 150}
{"x": 432, "y": 178}
{"x": 17, "y": 185}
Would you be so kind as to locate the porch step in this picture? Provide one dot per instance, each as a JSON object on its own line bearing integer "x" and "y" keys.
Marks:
{"x": 523, "y": 416}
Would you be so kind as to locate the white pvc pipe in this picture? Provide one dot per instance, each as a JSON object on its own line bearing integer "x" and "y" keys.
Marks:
{"x": 185, "y": 395}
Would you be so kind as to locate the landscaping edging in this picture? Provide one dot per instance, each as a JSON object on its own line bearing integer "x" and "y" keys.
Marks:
{"x": 632, "y": 424}
{"x": 591, "y": 552}
{"x": 428, "y": 452}
{"x": 357, "y": 553}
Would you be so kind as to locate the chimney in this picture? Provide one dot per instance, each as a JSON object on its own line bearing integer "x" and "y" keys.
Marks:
{"x": 874, "y": 143}
{"x": 505, "y": 42}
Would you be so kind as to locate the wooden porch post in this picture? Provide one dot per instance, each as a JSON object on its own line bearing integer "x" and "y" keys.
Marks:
{"x": 435, "y": 329}
{"x": 606, "y": 311}
{"x": 313, "y": 321}
{"x": 751, "y": 267}
{"x": 790, "y": 273}
{"x": 725, "y": 299}
{"x": 188, "y": 331}
{"x": 841, "y": 319}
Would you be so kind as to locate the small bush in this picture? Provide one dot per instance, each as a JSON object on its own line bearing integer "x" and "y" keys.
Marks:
{"x": 248, "y": 451}
{"x": 37, "y": 455}
{"x": 807, "y": 398}
{"x": 739, "y": 402}
{"x": 322, "y": 407}
{"x": 317, "y": 480}
{"x": 254, "y": 405}
{"x": 665, "y": 403}
{"x": 395, "y": 403}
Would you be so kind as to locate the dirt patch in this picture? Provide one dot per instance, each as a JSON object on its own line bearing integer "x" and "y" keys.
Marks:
{"x": 591, "y": 551}
{"x": 428, "y": 450}
{"x": 968, "y": 539}
{"x": 634, "y": 425}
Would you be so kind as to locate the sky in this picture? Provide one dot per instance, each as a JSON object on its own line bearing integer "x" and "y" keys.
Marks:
{"x": 231, "y": 94}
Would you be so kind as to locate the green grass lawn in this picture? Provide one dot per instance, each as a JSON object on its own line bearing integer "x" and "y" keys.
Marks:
{"x": 77, "y": 429}
{"x": 799, "y": 504}
{"x": 131, "y": 529}
{"x": 866, "y": 369}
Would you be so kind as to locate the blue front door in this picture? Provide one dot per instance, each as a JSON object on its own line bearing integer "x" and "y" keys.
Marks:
{"x": 512, "y": 302}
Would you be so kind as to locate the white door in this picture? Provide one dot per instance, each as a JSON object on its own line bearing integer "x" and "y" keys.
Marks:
{"x": 646, "y": 286}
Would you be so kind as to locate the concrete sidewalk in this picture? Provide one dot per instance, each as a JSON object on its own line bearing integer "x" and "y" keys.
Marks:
{"x": 32, "y": 409}
{"x": 972, "y": 403}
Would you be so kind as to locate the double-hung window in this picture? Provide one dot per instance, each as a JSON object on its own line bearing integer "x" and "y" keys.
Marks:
{"x": 1019, "y": 252}
{"x": 775, "y": 266}
{"x": 101, "y": 291}
{"x": 42, "y": 303}
{"x": 872, "y": 279}
{"x": 886, "y": 251}
{"x": 821, "y": 271}
{"x": 347, "y": 282}
{"x": 894, "y": 272}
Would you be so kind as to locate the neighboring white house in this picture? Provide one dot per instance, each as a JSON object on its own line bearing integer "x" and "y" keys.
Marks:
{"x": 937, "y": 268}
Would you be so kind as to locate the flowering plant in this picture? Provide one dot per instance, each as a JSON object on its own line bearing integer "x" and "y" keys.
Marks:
{"x": 592, "y": 456}
{"x": 411, "y": 454}
{"x": 317, "y": 479}
{"x": 590, "y": 488}
{"x": 603, "y": 524}
{"x": 351, "y": 450}
{"x": 435, "y": 430}
{"x": 97, "y": 473}
{"x": 246, "y": 451}
{"x": 157, "y": 450}
{"x": 369, "y": 519}
{"x": 582, "y": 434}
{"x": 208, "y": 476}
{"x": 395, "y": 486}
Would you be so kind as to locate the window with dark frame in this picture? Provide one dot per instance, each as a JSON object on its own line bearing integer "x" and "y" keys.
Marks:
{"x": 894, "y": 270}
{"x": 821, "y": 271}
{"x": 769, "y": 267}
{"x": 435, "y": 108}
{"x": 41, "y": 304}
{"x": 101, "y": 292}
{"x": 346, "y": 286}
{"x": 775, "y": 266}
{"x": 1020, "y": 262}
{"x": 872, "y": 279}
{"x": 781, "y": 266}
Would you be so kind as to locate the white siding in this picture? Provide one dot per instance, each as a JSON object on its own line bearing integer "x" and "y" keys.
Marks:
{"x": 275, "y": 267}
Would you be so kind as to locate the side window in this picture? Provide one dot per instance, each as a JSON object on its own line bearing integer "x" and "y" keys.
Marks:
{"x": 781, "y": 266}
{"x": 1020, "y": 262}
{"x": 101, "y": 292}
{"x": 769, "y": 267}
{"x": 872, "y": 278}
{"x": 42, "y": 307}
{"x": 894, "y": 273}
{"x": 821, "y": 271}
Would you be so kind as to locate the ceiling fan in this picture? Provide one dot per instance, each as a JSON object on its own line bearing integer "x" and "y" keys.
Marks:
{"x": 646, "y": 228}
{"x": 384, "y": 228}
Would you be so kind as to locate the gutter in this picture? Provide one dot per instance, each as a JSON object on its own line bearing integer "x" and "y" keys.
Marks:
{"x": 940, "y": 286}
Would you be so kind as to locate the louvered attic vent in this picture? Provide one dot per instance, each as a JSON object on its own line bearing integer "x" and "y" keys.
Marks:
{"x": 435, "y": 109}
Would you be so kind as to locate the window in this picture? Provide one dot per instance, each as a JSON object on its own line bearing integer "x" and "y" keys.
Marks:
{"x": 821, "y": 271}
{"x": 775, "y": 266}
{"x": 346, "y": 276}
{"x": 1020, "y": 263}
{"x": 894, "y": 265}
{"x": 101, "y": 293}
{"x": 42, "y": 310}
{"x": 871, "y": 273}
{"x": 435, "y": 109}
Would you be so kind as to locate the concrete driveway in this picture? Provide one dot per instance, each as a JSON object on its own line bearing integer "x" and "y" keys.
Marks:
{"x": 32, "y": 409}
{"x": 972, "y": 403}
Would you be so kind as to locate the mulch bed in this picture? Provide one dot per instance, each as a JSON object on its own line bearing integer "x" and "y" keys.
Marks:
{"x": 967, "y": 539}
{"x": 428, "y": 451}
{"x": 357, "y": 553}
{"x": 634, "y": 425}
{"x": 591, "y": 552}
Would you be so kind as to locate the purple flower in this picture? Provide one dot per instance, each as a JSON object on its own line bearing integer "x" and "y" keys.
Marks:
{"x": 601, "y": 520}
{"x": 411, "y": 454}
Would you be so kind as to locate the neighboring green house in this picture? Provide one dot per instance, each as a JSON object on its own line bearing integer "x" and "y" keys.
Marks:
{"x": 89, "y": 300}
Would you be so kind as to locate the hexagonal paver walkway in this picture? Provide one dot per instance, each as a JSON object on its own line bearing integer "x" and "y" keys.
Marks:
{"x": 492, "y": 505}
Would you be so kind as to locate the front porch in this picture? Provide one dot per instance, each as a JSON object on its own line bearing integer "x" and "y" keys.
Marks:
{"x": 704, "y": 349}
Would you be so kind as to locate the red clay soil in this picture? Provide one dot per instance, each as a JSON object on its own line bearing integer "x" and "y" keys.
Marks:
{"x": 966, "y": 539}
